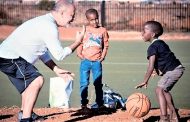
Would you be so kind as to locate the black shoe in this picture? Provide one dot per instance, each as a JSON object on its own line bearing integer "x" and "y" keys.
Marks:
{"x": 105, "y": 110}
{"x": 102, "y": 107}
{"x": 84, "y": 110}
{"x": 26, "y": 120}
{"x": 34, "y": 116}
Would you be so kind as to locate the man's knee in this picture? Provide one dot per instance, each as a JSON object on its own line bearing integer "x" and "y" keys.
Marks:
{"x": 38, "y": 82}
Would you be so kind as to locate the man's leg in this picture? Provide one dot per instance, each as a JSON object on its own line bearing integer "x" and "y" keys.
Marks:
{"x": 29, "y": 96}
{"x": 23, "y": 99}
{"x": 26, "y": 78}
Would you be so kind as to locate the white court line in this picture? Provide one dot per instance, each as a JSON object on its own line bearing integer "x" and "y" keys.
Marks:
{"x": 115, "y": 63}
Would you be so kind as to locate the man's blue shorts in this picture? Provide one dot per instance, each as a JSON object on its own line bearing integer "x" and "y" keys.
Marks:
{"x": 19, "y": 71}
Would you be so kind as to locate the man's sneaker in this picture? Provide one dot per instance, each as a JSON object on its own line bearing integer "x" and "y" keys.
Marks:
{"x": 26, "y": 120}
{"x": 34, "y": 116}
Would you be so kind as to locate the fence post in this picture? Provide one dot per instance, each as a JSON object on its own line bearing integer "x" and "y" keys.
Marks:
{"x": 102, "y": 11}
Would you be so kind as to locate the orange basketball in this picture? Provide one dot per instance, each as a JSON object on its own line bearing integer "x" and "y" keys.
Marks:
{"x": 138, "y": 105}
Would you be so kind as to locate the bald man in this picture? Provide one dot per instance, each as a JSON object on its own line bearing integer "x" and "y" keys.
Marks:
{"x": 34, "y": 40}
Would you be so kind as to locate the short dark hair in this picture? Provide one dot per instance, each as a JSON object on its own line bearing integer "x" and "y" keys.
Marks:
{"x": 156, "y": 27}
{"x": 91, "y": 11}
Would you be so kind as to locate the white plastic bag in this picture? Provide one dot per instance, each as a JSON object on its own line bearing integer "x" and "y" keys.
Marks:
{"x": 60, "y": 91}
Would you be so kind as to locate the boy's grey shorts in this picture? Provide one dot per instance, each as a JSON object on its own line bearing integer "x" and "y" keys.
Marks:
{"x": 169, "y": 79}
{"x": 19, "y": 71}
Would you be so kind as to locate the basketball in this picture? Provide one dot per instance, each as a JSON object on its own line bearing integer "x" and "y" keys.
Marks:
{"x": 138, "y": 105}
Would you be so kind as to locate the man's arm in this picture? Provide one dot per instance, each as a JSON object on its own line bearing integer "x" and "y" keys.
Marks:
{"x": 60, "y": 72}
{"x": 79, "y": 38}
{"x": 51, "y": 64}
{"x": 54, "y": 45}
{"x": 46, "y": 59}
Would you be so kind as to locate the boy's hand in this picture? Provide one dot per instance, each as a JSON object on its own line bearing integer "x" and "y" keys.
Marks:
{"x": 154, "y": 73}
{"x": 81, "y": 57}
{"x": 101, "y": 59}
{"x": 141, "y": 85}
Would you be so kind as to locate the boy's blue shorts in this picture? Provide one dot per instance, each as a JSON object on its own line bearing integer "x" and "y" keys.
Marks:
{"x": 19, "y": 71}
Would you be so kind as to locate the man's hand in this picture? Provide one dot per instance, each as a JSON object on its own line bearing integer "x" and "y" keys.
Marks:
{"x": 143, "y": 84}
{"x": 63, "y": 73}
{"x": 80, "y": 35}
{"x": 79, "y": 38}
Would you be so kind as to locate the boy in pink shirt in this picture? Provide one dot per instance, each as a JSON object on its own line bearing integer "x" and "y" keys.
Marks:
{"x": 92, "y": 52}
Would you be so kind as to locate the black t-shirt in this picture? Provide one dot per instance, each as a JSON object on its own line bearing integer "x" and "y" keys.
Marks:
{"x": 165, "y": 59}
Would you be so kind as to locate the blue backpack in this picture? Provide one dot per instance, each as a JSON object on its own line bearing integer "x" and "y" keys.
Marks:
{"x": 111, "y": 99}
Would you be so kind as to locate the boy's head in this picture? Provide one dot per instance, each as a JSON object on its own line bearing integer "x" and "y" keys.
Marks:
{"x": 152, "y": 30}
{"x": 92, "y": 17}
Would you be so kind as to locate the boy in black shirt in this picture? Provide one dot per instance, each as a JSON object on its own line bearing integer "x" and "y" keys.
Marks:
{"x": 165, "y": 64}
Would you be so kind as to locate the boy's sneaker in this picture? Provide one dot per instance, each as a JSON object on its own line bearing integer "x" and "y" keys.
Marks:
{"x": 105, "y": 110}
{"x": 102, "y": 107}
{"x": 34, "y": 116}
{"x": 164, "y": 118}
{"x": 84, "y": 110}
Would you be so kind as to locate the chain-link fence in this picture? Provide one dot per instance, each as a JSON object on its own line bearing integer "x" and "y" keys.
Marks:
{"x": 117, "y": 16}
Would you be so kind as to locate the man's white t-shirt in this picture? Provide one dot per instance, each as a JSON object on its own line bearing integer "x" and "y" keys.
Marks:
{"x": 33, "y": 39}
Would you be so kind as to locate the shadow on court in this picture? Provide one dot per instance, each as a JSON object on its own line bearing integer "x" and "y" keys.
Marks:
{"x": 5, "y": 116}
{"x": 156, "y": 118}
{"x": 93, "y": 112}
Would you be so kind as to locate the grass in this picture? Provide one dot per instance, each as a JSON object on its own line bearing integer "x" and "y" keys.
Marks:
{"x": 124, "y": 67}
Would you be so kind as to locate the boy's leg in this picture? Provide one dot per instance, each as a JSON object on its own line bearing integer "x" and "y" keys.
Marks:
{"x": 162, "y": 103}
{"x": 30, "y": 95}
{"x": 166, "y": 83}
{"x": 84, "y": 81}
{"x": 172, "y": 111}
{"x": 97, "y": 78}
{"x": 172, "y": 78}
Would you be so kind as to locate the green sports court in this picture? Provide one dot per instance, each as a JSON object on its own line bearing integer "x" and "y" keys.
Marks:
{"x": 123, "y": 69}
